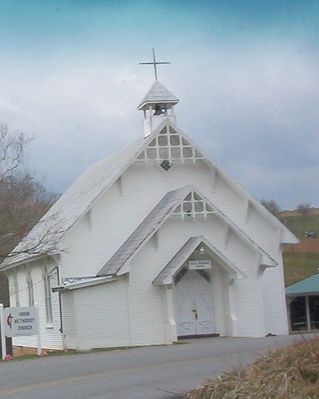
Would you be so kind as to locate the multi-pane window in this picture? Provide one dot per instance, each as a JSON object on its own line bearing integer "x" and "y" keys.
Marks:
{"x": 48, "y": 297}
{"x": 30, "y": 290}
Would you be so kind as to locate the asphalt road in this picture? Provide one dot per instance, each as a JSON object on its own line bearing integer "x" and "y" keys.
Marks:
{"x": 162, "y": 372}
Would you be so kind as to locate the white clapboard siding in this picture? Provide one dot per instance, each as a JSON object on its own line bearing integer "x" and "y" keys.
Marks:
{"x": 132, "y": 310}
{"x": 96, "y": 317}
{"x": 275, "y": 301}
{"x": 116, "y": 215}
{"x": 51, "y": 337}
{"x": 147, "y": 326}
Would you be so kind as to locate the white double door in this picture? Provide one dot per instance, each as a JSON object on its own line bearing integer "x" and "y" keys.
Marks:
{"x": 193, "y": 305}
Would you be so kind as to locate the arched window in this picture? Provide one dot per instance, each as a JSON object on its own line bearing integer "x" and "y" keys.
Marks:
{"x": 16, "y": 290}
{"x": 30, "y": 290}
{"x": 48, "y": 297}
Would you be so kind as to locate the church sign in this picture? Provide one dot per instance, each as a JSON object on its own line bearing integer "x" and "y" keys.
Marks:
{"x": 20, "y": 321}
{"x": 199, "y": 264}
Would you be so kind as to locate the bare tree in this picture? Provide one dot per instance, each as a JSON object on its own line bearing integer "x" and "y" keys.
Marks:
{"x": 271, "y": 205}
{"x": 12, "y": 147}
{"x": 304, "y": 208}
{"x": 23, "y": 200}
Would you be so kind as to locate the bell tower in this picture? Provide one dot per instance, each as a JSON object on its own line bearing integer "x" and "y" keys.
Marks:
{"x": 158, "y": 103}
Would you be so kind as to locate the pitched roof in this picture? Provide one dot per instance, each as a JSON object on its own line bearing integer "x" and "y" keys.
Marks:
{"x": 156, "y": 218}
{"x": 308, "y": 286}
{"x": 73, "y": 203}
{"x": 158, "y": 94}
{"x": 178, "y": 260}
{"x": 96, "y": 180}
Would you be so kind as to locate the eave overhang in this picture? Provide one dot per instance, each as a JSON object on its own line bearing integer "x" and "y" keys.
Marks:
{"x": 30, "y": 259}
{"x": 84, "y": 284}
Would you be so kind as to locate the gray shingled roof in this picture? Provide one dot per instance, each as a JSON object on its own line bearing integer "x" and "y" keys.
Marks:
{"x": 177, "y": 262}
{"x": 149, "y": 226}
{"x": 158, "y": 94}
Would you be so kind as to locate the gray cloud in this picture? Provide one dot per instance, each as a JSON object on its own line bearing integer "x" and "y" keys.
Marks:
{"x": 255, "y": 112}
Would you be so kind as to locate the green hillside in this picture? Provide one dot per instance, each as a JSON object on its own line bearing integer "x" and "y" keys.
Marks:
{"x": 298, "y": 266}
{"x": 302, "y": 260}
{"x": 299, "y": 224}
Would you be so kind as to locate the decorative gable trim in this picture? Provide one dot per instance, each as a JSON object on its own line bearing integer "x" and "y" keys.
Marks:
{"x": 286, "y": 237}
{"x": 160, "y": 213}
{"x": 193, "y": 206}
{"x": 169, "y": 145}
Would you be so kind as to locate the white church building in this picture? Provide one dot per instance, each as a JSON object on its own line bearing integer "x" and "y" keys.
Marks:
{"x": 150, "y": 244}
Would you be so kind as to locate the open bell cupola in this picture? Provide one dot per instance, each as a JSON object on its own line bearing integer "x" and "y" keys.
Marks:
{"x": 157, "y": 105}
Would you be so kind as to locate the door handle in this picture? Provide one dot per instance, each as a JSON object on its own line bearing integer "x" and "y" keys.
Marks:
{"x": 195, "y": 313}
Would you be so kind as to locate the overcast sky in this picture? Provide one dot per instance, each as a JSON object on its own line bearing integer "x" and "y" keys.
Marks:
{"x": 246, "y": 73}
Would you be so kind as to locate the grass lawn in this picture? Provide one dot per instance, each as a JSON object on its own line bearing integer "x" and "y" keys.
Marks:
{"x": 299, "y": 266}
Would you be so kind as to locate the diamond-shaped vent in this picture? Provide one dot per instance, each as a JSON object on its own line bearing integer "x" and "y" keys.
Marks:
{"x": 166, "y": 164}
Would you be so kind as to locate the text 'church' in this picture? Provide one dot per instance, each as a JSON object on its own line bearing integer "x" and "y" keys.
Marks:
{"x": 153, "y": 243}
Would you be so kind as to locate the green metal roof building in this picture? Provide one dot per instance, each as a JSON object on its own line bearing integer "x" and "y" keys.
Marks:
{"x": 308, "y": 286}
{"x": 303, "y": 305}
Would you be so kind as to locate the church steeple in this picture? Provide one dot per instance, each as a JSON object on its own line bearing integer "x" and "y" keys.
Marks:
{"x": 158, "y": 103}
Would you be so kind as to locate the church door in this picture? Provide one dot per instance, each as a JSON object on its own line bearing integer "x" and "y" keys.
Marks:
{"x": 194, "y": 312}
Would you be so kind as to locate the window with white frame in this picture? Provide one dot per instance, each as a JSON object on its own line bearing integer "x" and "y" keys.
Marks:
{"x": 30, "y": 289}
{"x": 48, "y": 297}
{"x": 16, "y": 290}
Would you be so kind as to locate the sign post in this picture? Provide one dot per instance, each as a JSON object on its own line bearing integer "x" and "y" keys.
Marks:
{"x": 3, "y": 336}
{"x": 38, "y": 327}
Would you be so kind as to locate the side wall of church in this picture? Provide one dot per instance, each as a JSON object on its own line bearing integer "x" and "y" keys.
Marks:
{"x": 275, "y": 301}
{"x": 97, "y": 316}
{"x": 51, "y": 337}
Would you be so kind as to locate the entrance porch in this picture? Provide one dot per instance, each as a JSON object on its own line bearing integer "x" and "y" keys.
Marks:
{"x": 199, "y": 291}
